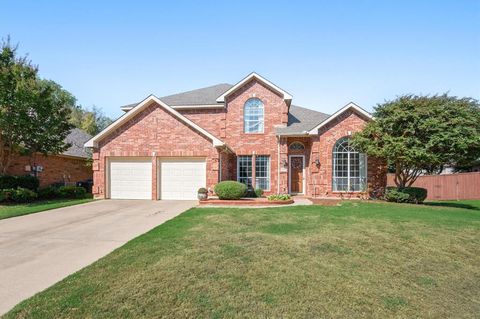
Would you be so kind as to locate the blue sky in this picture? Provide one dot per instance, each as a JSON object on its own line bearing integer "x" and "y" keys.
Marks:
{"x": 325, "y": 53}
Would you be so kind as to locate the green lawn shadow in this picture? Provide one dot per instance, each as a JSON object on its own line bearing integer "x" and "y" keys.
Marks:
{"x": 453, "y": 205}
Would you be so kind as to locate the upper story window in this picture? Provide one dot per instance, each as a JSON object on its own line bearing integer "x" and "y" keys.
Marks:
{"x": 253, "y": 116}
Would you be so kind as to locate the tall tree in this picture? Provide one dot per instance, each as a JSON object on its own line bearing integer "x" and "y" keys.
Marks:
{"x": 48, "y": 117}
{"x": 33, "y": 113}
{"x": 17, "y": 78}
{"x": 417, "y": 134}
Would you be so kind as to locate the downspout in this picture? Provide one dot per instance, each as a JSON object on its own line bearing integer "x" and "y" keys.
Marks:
{"x": 278, "y": 164}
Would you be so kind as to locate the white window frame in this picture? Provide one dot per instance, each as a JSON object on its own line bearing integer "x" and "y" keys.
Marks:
{"x": 267, "y": 171}
{"x": 245, "y": 121}
{"x": 349, "y": 177}
{"x": 238, "y": 169}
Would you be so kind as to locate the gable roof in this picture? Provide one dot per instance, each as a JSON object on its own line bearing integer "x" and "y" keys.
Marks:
{"x": 93, "y": 142}
{"x": 77, "y": 138}
{"x": 286, "y": 96}
{"x": 206, "y": 97}
{"x": 301, "y": 120}
{"x": 349, "y": 106}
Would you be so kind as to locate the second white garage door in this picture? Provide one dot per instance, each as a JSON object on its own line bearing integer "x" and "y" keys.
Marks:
{"x": 181, "y": 178}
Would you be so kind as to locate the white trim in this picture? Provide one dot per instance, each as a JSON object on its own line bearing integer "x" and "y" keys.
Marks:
{"x": 350, "y": 105}
{"x": 304, "y": 177}
{"x": 285, "y": 94}
{"x": 93, "y": 142}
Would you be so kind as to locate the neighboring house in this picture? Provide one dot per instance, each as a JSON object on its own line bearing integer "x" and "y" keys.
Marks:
{"x": 69, "y": 167}
{"x": 167, "y": 148}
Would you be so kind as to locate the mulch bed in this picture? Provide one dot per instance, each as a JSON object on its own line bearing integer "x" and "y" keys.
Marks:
{"x": 246, "y": 202}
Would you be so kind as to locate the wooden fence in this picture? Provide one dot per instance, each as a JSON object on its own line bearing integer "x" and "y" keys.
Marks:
{"x": 448, "y": 187}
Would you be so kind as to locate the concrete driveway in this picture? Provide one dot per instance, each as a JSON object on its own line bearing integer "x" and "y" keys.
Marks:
{"x": 40, "y": 249}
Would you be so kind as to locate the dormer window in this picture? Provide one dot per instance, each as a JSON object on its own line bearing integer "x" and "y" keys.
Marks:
{"x": 253, "y": 116}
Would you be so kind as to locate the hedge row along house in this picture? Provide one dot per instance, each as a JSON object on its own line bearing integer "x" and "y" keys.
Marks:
{"x": 169, "y": 147}
{"x": 67, "y": 168}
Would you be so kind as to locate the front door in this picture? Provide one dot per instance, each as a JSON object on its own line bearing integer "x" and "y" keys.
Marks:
{"x": 296, "y": 174}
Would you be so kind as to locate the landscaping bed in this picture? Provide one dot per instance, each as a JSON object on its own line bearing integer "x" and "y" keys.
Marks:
{"x": 245, "y": 202}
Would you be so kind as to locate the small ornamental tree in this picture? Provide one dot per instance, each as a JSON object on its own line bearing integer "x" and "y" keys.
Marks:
{"x": 416, "y": 134}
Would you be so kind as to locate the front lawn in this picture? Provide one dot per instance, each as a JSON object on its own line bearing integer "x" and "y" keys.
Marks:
{"x": 362, "y": 259}
{"x": 13, "y": 210}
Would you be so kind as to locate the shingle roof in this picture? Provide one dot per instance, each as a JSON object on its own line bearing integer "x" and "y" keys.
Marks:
{"x": 301, "y": 119}
{"x": 204, "y": 96}
{"x": 77, "y": 139}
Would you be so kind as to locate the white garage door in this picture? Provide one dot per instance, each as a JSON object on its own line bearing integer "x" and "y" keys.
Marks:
{"x": 181, "y": 178}
{"x": 131, "y": 179}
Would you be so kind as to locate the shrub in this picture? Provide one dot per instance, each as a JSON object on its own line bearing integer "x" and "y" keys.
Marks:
{"x": 8, "y": 182}
{"x": 230, "y": 190}
{"x": 22, "y": 195}
{"x": 27, "y": 181}
{"x": 259, "y": 192}
{"x": 250, "y": 193}
{"x": 6, "y": 194}
{"x": 415, "y": 195}
{"x": 202, "y": 190}
{"x": 72, "y": 192}
{"x": 279, "y": 197}
{"x": 48, "y": 192}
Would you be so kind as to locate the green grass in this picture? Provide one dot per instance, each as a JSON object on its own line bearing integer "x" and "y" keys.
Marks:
{"x": 7, "y": 211}
{"x": 360, "y": 259}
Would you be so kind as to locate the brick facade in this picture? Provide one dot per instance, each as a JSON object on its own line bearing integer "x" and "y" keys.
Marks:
{"x": 320, "y": 179}
{"x": 155, "y": 133}
{"x": 56, "y": 169}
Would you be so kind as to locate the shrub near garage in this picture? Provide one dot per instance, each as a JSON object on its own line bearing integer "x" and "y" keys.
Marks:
{"x": 19, "y": 195}
{"x": 72, "y": 192}
{"x": 230, "y": 190}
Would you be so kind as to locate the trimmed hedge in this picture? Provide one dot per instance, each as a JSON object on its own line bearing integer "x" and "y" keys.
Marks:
{"x": 230, "y": 190}
{"x": 72, "y": 192}
{"x": 26, "y": 181}
{"x": 18, "y": 195}
{"x": 414, "y": 195}
{"x": 49, "y": 192}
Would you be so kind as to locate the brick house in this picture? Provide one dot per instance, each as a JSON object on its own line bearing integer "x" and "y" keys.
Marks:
{"x": 166, "y": 148}
{"x": 69, "y": 167}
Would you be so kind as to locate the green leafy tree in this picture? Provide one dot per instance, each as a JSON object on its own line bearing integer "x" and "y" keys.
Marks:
{"x": 416, "y": 134}
{"x": 48, "y": 117}
{"x": 33, "y": 113}
{"x": 17, "y": 78}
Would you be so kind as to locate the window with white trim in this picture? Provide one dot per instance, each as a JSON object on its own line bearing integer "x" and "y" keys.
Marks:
{"x": 262, "y": 172}
{"x": 253, "y": 116}
{"x": 349, "y": 167}
{"x": 244, "y": 170}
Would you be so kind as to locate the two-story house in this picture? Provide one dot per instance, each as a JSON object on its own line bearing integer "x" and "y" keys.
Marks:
{"x": 167, "y": 148}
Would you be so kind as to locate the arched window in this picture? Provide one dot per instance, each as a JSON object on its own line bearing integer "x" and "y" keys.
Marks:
{"x": 253, "y": 116}
{"x": 297, "y": 146}
{"x": 349, "y": 167}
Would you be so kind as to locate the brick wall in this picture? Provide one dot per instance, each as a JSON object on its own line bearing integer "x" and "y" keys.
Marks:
{"x": 154, "y": 133}
{"x": 320, "y": 182}
{"x": 55, "y": 168}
